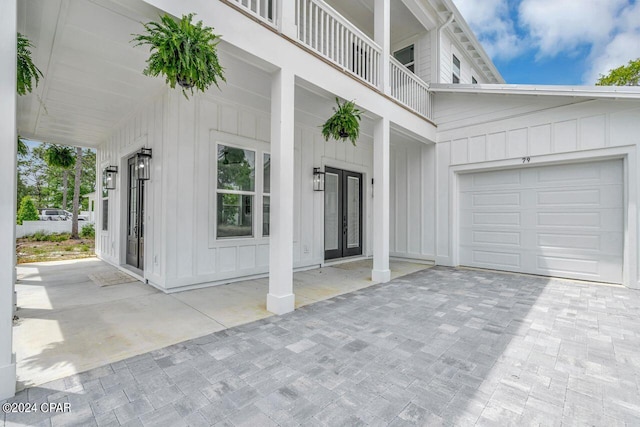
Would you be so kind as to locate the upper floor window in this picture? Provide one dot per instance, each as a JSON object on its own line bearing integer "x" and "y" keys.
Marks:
{"x": 456, "y": 70}
{"x": 406, "y": 57}
{"x": 473, "y": 80}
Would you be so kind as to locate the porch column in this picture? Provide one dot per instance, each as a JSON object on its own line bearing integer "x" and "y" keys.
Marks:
{"x": 382, "y": 36}
{"x": 280, "y": 299}
{"x": 287, "y": 18}
{"x": 381, "y": 272}
{"x": 8, "y": 138}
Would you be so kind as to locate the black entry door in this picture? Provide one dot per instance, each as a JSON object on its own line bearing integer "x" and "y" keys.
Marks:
{"x": 342, "y": 213}
{"x": 135, "y": 217}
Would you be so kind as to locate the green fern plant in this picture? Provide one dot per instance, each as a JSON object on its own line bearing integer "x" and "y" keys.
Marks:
{"x": 184, "y": 52}
{"x": 27, "y": 71}
{"x": 344, "y": 124}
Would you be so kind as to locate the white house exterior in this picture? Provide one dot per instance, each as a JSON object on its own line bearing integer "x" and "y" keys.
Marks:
{"x": 453, "y": 167}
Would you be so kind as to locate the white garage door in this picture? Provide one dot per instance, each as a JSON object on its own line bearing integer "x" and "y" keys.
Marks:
{"x": 564, "y": 221}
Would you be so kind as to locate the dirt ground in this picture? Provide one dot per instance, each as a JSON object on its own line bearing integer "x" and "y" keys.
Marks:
{"x": 37, "y": 251}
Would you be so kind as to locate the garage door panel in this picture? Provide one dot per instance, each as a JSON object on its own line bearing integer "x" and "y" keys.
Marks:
{"x": 561, "y": 220}
{"x": 496, "y": 259}
{"x": 498, "y": 179}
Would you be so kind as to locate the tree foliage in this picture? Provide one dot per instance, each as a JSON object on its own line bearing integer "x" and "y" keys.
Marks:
{"x": 27, "y": 211}
{"x": 183, "y": 52}
{"x": 27, "y": 71}
{"x": 625, "y": 75}
{"x": 44, "y": 183}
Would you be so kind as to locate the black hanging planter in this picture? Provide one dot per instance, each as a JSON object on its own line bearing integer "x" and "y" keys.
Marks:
{"x": 185, "y": 83}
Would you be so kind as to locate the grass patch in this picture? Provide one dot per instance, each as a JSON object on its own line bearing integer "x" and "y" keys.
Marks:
{"x": 52, "y": 247}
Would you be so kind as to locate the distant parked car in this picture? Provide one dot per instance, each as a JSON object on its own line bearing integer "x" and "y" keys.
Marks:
{"x": 52, "y": 214}
{"x": 81, "y": 217}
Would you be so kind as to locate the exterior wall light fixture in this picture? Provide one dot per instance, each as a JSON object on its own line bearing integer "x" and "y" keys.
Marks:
{"x": 109, "y": 177}
{"x": 318, "y": 180}
{"x": 143, "y": 158}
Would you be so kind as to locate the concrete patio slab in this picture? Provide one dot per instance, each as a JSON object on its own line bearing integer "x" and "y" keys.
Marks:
{"x": 438, "y": 347}
{"x": 69, "y": 324}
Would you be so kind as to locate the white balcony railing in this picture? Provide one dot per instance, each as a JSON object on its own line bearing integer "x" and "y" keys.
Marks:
{"x": 409, "y": 89}
{"x": 264, "y": 10}
{"x": 325, "y": 31}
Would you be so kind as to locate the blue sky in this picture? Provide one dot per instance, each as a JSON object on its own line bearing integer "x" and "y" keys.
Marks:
{"x": 555, "y": 41}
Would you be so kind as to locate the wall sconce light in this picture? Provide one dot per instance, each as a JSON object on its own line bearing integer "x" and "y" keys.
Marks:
{"x": 109, "y": 177}
{"x": 142, "y": 164}
{"x": 318, "y": 180}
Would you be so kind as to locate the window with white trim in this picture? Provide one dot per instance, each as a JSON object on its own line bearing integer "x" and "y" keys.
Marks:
{"x": 266, "y": 192}
{"x": 235, "y": 193}
{"x": 406, "y": 56}
{"x": 456, "y": 70}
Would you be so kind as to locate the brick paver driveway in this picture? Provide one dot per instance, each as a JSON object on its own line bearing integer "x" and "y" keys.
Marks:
{"x": 441, "y": 346}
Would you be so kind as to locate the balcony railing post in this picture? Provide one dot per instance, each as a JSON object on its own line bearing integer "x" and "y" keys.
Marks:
{"x": 382, "y": 37}
{"x": 286, "y": 10}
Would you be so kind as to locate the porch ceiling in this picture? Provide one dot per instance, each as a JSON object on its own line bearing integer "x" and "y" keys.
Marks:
{"x": 92, "y": 74}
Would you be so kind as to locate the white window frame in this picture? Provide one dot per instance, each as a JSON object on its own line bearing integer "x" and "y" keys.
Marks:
{"x": 409, "y": 64}
{"x": 253, "y": 193}
{"x": 265, "y": 194}
{"x": 456, "y": 70}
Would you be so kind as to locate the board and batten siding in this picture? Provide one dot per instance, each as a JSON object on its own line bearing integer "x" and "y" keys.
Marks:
{"x": 194, "y": 257}
{"x": 412, "y": 191}
{"x": 501, "y": 132}
{"x": 145, "y": 128}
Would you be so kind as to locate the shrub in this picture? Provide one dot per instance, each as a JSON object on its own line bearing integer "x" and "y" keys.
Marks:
{"x": 39, "y": 236}
{"x": 88, "y": 231}
{"x": 27, "y": 211}
{"x": 58, "y": 237}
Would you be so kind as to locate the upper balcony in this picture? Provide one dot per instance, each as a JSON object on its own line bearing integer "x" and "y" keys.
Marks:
{"x": 326, "y": 31}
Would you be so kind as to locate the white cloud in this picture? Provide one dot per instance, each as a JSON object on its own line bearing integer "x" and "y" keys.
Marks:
{"x": 557, "y": 26}
{"x": 618, "y": 50}
{"x": 493, "y": 27}
{"x": 608, "y": 29}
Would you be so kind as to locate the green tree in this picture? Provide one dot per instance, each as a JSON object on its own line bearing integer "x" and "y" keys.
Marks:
{"x": 63, "y": 158}
{"x": 27, "y": 211}
{"x": 27, "y": 71}
{"x": 625, "y": 75}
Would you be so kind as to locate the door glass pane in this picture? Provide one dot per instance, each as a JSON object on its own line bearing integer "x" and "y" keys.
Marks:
{"x": 236, "y": 169}
{"x": 266, "y": 173}
{"x": 235, "y": 215}
{"x": 331, "y": 214}
{"x": 353, "y": 212}
{"x": 265, "y": 215}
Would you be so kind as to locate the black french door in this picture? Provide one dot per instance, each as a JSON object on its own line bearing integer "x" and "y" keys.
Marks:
{"x": 342, "y": 213}
{"x": 135, "y": 216}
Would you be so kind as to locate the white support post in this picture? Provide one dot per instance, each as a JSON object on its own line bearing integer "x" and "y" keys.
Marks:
{"x": 280, "y": 299}
{"x": 381, "y": 132}
{"x": 382, "y": 36}
{"x": 8, "y": 138}
{"x": 287, "y": 18}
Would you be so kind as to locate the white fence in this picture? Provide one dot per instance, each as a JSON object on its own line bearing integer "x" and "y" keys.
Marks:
{"x": 325, "y": 31}
{"x": 31, "y": 227}
{"x": 410, "y": 90}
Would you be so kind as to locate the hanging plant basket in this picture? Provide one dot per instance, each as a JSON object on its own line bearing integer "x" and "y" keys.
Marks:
{"x": 344, "y": 124}
{"x": 27, "y": 71}
{"x": 184, "y": 52}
